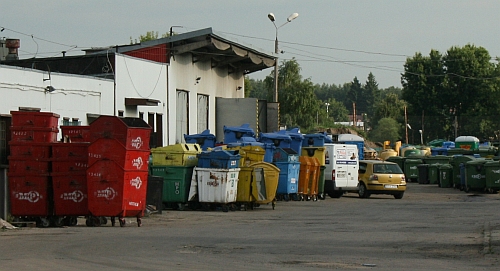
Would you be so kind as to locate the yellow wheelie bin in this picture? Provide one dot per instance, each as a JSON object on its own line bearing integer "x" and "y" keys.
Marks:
{"x": 270, "y": 181}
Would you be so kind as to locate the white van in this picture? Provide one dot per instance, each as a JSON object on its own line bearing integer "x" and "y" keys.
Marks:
{"x": 341, "y": 171}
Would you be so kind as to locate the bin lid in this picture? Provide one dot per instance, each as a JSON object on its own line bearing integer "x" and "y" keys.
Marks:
{"x": 466, "y": 139}
{"x": 279, "y": 136}
{"x": 477, "y": 162}
{"x": 413, "y": 160}
{"x": 423, "y": 165}
{"x": 204, "y": 134}
{"x": 395, "y": 158}
{"x": 446, "y": 166}
{"x": 220, "y": 154}
{"x": 178, "y": 148}
{"x": 492, "y": 164}
{"x": 293, "y": 133}
{"x": 243, "y": 128}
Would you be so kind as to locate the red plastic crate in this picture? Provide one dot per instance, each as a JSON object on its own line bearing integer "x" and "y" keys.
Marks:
{"x": 133, "y": 133}
{"x": 116, "y": 192}
{"x": 112, "y": 149}
{"x": 70, "y": 194}
{"x": 70, "y": 166}
{"x": 29, "y": 195}
{"x": 62, "y": 151}
{"x": 34, "y": 119}
{"x": 76, "y": 133}
{"x": 30, "y": 150}
{"x": 34, "y": 135}
{"x": 29, "y": 166}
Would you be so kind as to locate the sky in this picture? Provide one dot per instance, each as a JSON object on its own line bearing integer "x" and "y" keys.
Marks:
{"x": 333, "y": 41}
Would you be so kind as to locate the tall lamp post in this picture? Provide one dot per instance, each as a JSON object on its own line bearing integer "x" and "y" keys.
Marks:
{"x": 272, "y": 18}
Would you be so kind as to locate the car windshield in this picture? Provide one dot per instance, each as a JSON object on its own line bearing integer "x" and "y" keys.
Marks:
{"x": 387, "y": 168}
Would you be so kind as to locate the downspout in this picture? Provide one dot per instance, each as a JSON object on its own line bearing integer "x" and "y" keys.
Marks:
{"x": 114, "y": 83}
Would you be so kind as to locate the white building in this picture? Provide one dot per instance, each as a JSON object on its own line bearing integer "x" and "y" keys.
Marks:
{"x": 172, "y": 83}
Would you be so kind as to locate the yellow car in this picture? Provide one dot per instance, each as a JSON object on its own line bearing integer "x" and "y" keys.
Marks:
{"x": 380, "y": 177}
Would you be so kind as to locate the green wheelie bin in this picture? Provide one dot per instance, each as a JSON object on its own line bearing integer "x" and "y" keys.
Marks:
{"x": 398, "y": 160}
{"x": 434, "y": 173}
{"x": 492, "y": 169}
{"x": 446, "y": 176}
{"x": 455, "y": 161}
{"x": 437, "y": 159}
{"x": 410, "y": 169}
{"x": 475, "y": 175}
{"x": 176, "y": 184}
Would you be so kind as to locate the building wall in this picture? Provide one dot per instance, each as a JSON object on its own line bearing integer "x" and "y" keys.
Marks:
{"x": 214, "y": 82}
{"x": 74, "y": 95}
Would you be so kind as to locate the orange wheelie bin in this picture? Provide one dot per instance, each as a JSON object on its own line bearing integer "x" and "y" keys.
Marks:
{"x": 304, "y": 176}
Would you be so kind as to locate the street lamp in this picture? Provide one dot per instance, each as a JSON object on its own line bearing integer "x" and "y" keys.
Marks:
{"x": 421, "y": 137}
{"x": 272, "y": 18}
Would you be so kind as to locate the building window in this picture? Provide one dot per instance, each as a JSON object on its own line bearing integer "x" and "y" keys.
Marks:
{"x": 120, "y": 113}
{"x": 182, "y": 116}
{"x": 202, "y": 114}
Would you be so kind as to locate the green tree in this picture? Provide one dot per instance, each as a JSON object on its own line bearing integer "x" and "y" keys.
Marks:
{"x": 462, "y": 84}
{"x": 150, "y": 35}
{"x": 371, "y": 94}
{"x": 389, "y": 107}
{"x": 298, "y": 103}
{"x": 386, "y": 129}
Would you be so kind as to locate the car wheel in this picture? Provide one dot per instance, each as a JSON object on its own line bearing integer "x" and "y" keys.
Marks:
{"x": 336, "y": 194}
{"x": 362, "y": 192}
{"x": 399, "y": 195}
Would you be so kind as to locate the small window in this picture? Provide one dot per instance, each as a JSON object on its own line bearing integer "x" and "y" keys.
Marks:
{"x": 362, "y": 168}
{"x": 120, "y": 113}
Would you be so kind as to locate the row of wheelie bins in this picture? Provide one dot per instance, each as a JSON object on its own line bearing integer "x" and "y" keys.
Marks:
{"x": 464, "y": 172}
{"x": 299, "y": 158}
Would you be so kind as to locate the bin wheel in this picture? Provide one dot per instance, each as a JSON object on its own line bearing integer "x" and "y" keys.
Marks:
{"x": 466, "y": 189}
{"x": 122, "y": 221}
{"x": 205, "y": 206}
{"x": 308, "y": 198}
{"x": 194, "y": 205}
{"x": 321, "y": 196}
{"x": 58, "y": 221}
{"x": 103, "y": 220}
{"x": 295, "y": 197}
{"x": 274, "y": 204}
{"x": 88, "y": 222}
{"x": 139, "y": 222}
{"x": 113, "y": 221}
{"x": 181, "y": 206}
{"x": 73, "y": 221}
{"x": 286, "y": 197}
{"x": 225, "y": 208}
{"x": 315, "y": 197}
{"x": 233, "y": 207}
{"x": 96, "y": 221}
{"x": 43, "y": 222}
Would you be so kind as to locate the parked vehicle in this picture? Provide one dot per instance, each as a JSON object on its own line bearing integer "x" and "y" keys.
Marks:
{"x": 380, "y": 177}
{"x": 341, "y": 169}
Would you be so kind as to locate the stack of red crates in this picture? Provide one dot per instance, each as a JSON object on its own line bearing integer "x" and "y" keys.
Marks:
{"x": 30, "y": 185}
{"x": 118, "y": 167}
{"x": 69, "y": 166}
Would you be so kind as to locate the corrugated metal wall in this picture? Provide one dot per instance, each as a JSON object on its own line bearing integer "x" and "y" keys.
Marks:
{"x": 156, "y": 53}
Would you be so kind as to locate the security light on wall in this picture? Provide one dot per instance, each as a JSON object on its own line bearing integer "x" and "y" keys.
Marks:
{"x": 197, "y": 80}
{"x": 49, "y": 89}
{"x": 238, "y": 88}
